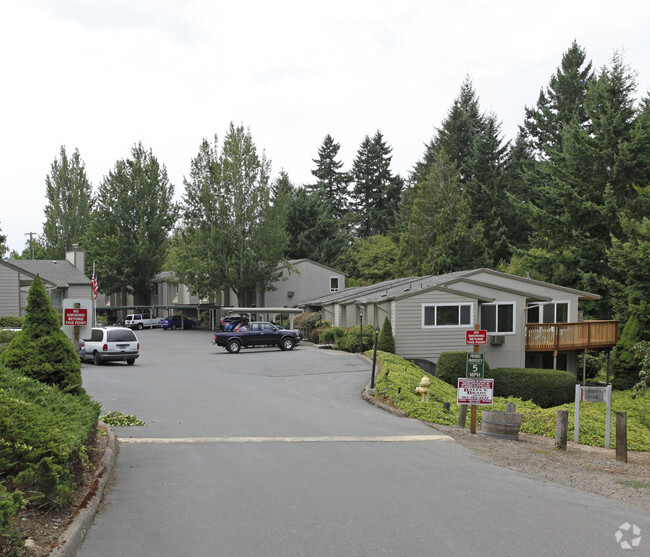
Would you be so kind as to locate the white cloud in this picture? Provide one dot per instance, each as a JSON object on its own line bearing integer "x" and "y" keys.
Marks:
{"x": 102, "y": 75}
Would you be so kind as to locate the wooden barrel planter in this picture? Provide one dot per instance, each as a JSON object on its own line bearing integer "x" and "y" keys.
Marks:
{"x": 504, "y": 425}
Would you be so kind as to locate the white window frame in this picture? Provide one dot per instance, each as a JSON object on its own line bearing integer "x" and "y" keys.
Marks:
{"x": 458, "y": 305}
{"x": 514, "y": 318}
{"x": 338, "y": 283}
{"x": 541, "y": 311}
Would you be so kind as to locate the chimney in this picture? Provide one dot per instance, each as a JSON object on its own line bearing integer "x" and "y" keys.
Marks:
{"x": 76, "y": 257}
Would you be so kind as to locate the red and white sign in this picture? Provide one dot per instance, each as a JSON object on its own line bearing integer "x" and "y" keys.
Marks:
{"x": 475, "y": 337}
{"x": 475, "y": 391}
{"x": 77, "y": 317}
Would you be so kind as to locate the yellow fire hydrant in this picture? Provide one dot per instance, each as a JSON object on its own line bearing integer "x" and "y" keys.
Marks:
{"x": 423, "y": 389}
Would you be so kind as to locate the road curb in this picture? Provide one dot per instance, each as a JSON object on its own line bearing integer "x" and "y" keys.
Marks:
{"x": 70, "y": 541}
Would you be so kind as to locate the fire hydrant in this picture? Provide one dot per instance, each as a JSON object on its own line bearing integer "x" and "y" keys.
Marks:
{"x": 423, "y": 389}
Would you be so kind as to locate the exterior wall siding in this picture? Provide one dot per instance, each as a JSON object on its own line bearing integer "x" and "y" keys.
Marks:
{"x": 9, "y": 291}
{"x": 310, "y": 281}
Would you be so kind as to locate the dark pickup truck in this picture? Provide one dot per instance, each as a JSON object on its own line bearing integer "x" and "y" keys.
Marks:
{"x": 258, "y": 333}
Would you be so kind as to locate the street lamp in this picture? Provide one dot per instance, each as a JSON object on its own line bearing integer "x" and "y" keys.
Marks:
{"x": 361, "y": 320}
{"x": 374, "y": 359}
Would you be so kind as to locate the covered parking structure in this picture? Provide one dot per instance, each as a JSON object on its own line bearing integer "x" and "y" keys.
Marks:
{"x": 264, "y": 313}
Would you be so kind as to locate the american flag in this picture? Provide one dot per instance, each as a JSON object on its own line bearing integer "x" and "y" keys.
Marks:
{"x": 93, "y": 281}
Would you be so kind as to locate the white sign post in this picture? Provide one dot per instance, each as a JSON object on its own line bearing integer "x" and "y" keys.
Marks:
{"x": 593, "y": 394}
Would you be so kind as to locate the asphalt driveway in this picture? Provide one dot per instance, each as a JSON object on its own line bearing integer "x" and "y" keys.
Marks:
{"x": 274, "y": 453}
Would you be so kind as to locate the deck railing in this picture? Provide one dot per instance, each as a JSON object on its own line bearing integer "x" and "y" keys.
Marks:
{"x": 542, "y": 337}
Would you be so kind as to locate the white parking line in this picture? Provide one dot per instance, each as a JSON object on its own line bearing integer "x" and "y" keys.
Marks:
{"x": 324, "y": 439}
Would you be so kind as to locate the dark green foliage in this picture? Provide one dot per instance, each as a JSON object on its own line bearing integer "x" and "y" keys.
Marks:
{"x": 386, "y": 340}
{"x": 369, "y": 260}
{"x": 545, "y": 387}
{"x": 332, "y": 185}
{"x": 10, "y": 505}
{"x": 351, "y": 341}
{"x": 42, "y": 432}
{"x": 376, "y": 191}
{"x": 128, "y": 234}
{"x": 3, "y": 244}
{"x": 626, "y": 366}
{"x": 11, "y": 322}
{"x": 331, "y": 335}
{"x": 42, "y": 350}
{"x": 452, "y": 365}
{"x": 70, "y": 201}
{"x": 5, "y": 338}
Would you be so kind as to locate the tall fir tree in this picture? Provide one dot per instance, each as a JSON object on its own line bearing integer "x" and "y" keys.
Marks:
{"x": 332, "y": 182}
{"x": 376, "y": 191}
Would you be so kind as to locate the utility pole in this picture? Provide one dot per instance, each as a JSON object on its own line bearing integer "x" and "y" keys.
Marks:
{"x": 31, "y": 243}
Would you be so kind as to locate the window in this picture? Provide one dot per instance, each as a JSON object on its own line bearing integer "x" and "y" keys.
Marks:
{"x": 334, "y": 284}
{"x": 446, "y": 315}
{"x": 498, "y": 318}
{"x": 555, "y": 312}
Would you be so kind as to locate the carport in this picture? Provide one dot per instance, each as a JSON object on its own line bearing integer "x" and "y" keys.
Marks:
{"x": 264, "y": 314}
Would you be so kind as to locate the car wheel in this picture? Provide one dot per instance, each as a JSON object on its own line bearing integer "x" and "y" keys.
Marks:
{"x": 96, "y": 359}
{"x": 193, "y": 326}
{"x": 233, "y": 346}
{"x": 140, "y": 326}
{"x": 286, "y": 344}
{"x": 130, "y": 361}
{"x": 173, "y": 327}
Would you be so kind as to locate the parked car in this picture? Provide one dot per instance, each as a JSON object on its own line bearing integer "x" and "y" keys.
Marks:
{"x": 177, "y": 322}
{"x": 230, "y": 322}
{"x": 112, "y": 344}
{"x": 258, "y": 333}
{"x": 82, "y": 349}
{"x": 140, "y": 320}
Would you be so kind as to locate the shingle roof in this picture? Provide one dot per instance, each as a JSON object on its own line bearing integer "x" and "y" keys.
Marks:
{"x": 59, "y": 272}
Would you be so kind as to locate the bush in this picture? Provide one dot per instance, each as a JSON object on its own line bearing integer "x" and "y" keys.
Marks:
{"x": 545, "y": 387}
{"x": 452, "y": 365}
{"x": 5, "y": 338}
{"x": 41, "y": 350}
{"x": 331, "y": 335}
{"x": 11, "y": 322}
{"x": 306, "y": 323}
{"x": 351, "y": 340}
{"x": 386, "y": 340}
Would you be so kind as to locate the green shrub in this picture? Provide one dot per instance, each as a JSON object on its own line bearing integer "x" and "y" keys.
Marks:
{"x": 545, "y": 387}
{"x": 42, "y": 350}
{"x": 351, "y": 340}
{"x": 386, "y": 340}
{"x": 42, "y": 433}
{"x": 11, "y": 322}
{"x": 5, "y": 338}
{"x": 331, "y": 335}
{"x": 10, "y": 505}
{"x": 452, "y": 365}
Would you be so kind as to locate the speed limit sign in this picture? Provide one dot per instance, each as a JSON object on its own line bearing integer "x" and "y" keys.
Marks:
{"x": 475, "y": 365}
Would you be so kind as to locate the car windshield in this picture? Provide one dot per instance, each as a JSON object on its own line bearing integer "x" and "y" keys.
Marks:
{"x": 120, "y": 335}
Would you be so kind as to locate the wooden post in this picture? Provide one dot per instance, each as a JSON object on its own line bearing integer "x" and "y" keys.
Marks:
{"x": 511, "y": 407}
{"x": 472, "y": 423}
{"x": 621, "y": 436}
{"x": 561, "y": 429}
{"x": 462, "y": 416}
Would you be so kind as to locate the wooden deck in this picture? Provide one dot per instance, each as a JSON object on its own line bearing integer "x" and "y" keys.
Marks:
{"x": 551, "y": 337}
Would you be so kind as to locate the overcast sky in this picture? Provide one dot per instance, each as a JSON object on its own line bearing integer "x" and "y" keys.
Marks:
{"x": 101, "y": 75}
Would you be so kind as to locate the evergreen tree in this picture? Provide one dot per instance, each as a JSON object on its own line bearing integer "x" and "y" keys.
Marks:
{"x": 128, "y": 233}
{"x": 562, "y": 103}
{"x": 332, "y": 184}
{"x": 41, "y": 350}
{"x": 442, "y": 236}
{"x": 70, "y": 202}
{"x": 386, "y": 340}
{"x": 369, "y": 260}
{"x": 233, "y": 236}
{"x": 376, "y": 191}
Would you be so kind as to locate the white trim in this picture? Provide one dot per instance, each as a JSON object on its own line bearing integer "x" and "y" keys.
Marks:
{"x": 458, "y": 305}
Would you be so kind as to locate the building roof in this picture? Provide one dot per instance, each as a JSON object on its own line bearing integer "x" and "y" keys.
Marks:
{"x": 60, "y": 273}
{"x": 410, "y": 286}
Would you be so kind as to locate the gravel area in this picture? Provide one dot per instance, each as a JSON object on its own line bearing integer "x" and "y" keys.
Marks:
{"x": 583, "y": 467}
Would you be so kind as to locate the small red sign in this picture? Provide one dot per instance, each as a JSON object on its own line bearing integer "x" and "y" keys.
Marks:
{"x": 76, "y": 316}
{"x": 475, "y": 337}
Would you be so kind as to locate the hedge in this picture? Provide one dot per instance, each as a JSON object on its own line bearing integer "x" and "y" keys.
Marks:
{"x": 545, "y": 387}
